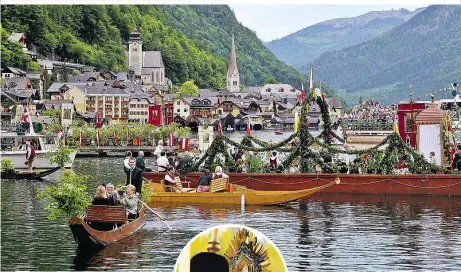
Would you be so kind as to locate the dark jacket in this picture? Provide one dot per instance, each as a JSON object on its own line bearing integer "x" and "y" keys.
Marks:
{"x": 205, "y": 180}
{"x": 136, "y": 178}
{"x": 457, "y": 162}
{"x": 140, "y": 163}
{"x": 100, "y": 201}
{"x": 113, "y": 199}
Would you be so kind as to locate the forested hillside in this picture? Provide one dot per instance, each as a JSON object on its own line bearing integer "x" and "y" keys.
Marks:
{"x": 302, "y": 47}
{"x": 424, "y": 51}
{"x": 194, "y": 40}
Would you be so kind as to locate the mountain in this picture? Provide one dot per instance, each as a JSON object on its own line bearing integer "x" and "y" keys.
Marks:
{"x": 300, "y": 48}
{"x": 195, "y": 40}
{"x": 424, "y": 51}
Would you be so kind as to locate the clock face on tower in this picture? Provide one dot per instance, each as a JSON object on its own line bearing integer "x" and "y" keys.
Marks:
{"x": 135, "y": 43}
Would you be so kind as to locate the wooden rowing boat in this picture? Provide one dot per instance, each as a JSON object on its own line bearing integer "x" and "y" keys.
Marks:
{"x": 97, "y": 227}
{"x": 229, "y": 194}
{"x": 14, "y": 174}
{"x": 433, "y": 185}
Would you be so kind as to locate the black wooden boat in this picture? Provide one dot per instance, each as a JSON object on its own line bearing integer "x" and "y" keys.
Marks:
{"x": 15, "y": 174}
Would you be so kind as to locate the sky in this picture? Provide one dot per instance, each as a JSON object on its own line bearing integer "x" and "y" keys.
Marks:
{"x": 276, "y": 21}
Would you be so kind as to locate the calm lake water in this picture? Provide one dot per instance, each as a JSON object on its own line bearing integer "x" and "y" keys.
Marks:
{"x": 360, "y": 233}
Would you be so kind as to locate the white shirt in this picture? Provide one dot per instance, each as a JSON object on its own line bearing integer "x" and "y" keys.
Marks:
{"x": 158, "y": 150}
{"x": 162, "y": 164}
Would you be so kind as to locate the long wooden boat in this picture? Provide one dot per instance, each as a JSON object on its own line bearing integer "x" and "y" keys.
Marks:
{"x": 436, "y": 185}
{"x": 230, "y": 195}
{"x": 28, "y": 175}
{"x": 84, "y": 231}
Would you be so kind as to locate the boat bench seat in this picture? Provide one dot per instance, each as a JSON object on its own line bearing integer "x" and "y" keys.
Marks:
{"x": 219, "y": 185}
{"x": 106, "y": 214}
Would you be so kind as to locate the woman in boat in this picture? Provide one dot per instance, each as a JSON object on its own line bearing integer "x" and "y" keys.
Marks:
{"x": 101, "y": 197}
{"x": 218, "y": 173}
{"x": 130, "y": 201}
{"x": 273, "y": 160}
{"x": 204, "y": 182}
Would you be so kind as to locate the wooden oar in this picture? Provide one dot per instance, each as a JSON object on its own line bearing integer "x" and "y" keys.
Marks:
{"x": 156, "y": 214}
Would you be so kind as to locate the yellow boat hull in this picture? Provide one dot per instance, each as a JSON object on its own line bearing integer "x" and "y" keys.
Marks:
{"x": 251, "y": 197}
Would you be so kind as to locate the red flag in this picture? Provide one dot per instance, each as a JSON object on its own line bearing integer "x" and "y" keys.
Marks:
{"x": 184, "y": 143}
{"x": 98, "y": 120}
{"x": 303, "y": 94}
{"x": 171, "y": 138}
{"x": 219, "y": 128}
{"x": 98, "y": 138}
{"x": 26, "y": 117}
{"x": 115, "y": 137}
{"x": 81, "y": 138}
{"x": 248, "y": 127}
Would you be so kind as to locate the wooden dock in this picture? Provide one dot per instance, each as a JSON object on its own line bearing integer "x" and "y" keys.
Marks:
{"x": 103, "y": 151}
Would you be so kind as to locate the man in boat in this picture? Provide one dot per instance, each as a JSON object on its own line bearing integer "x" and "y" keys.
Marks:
{"x": 159, "y": 149}
{"x": 162, "y": 163}
{"x": 140, "y": 161}
{"x": 457, "y": 160}
{"x": 30, "y": 155}
{"x": 112, "y": 194}
{"x": 134, "y": 176}
{"x": 172, "y": 160}
{"x": 170, "y": 181}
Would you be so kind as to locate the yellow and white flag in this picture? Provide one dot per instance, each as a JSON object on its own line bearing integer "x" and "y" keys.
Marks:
{"x": 296, "y": 125}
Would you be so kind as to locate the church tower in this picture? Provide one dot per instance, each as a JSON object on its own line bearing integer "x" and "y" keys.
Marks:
{"x": 135, "y": 52}
{"x": 233, "y": 78}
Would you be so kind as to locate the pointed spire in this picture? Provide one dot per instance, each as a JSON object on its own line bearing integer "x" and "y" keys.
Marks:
{"x": 311, "y": 79}
{"x": 233, "y": 60}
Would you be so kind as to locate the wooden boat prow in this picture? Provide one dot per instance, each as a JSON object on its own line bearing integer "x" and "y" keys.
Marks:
{"x": 231, "y": 195}
{"x": 84, "y": 234}
{"x": 35, "y": 175}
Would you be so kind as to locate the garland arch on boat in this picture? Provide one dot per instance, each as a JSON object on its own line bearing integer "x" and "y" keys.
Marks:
{"x": 375, "y": 160}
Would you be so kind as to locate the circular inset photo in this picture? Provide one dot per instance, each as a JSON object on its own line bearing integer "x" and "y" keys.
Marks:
{"x": 230, "y": 248}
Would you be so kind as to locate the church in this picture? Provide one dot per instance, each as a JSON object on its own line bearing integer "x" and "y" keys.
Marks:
{"x": 146, "y": 66}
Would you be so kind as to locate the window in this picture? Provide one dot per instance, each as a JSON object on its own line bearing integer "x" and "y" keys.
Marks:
{"x": 135, "y": 49}
{"x": 185, "y": 110}
{"x": 178, "y": 110}
{"x": 178, "y": 103}
{"x": 235, "y": 83}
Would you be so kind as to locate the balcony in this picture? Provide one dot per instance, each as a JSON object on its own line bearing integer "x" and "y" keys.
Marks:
{"x": 124, "y": 116}
{"x": 90, "y": 109}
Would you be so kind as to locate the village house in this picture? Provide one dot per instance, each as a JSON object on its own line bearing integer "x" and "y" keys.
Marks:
{"x": 225, "y": 107}
{"x": 181, "y": 107}
{"x": 335, "y": 107}
{"x": 22, "y": 39}
{"x": 139, "y": 107}
{"x": 8, "y": 72}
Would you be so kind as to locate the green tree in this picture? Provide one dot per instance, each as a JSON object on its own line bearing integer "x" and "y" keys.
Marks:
{"x": 69, "y": 198}
{"x": 189, "y": 88}
{"x": 270, "y": 80}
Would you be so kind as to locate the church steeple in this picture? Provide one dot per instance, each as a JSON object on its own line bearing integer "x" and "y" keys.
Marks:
{"x": 233, "y": 78}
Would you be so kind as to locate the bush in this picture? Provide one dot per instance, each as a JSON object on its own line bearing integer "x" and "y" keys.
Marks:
{"x": 7, "y": 165}
{"x": 60, "y": 156}
{"x": 68, "y": 198}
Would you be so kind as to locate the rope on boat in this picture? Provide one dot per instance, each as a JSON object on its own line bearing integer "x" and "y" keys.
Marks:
{"x": 424, "y": 179}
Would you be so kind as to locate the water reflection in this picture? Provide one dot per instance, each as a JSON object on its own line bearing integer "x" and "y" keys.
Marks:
{"x": 321, "y": 233}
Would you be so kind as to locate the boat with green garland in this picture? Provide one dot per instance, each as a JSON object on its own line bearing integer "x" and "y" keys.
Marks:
{"x": 392, "y": 167}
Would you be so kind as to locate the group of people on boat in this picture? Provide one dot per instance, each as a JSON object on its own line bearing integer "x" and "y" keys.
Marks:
{"x": 108, "y": 196}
